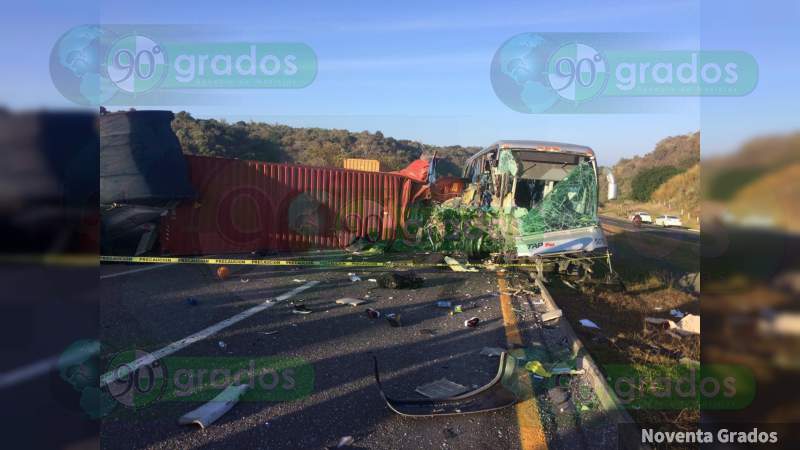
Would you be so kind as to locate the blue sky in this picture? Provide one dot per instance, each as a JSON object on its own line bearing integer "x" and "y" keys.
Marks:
{"x": 420, "y": 70}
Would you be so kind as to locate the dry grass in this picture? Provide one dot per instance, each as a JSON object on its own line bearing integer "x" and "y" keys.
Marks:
{"x": 681, "y": 193}
{"x": 650, "y": 267}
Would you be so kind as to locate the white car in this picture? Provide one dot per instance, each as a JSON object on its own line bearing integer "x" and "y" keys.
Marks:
{"x": 669, "y": 221}
{"x": 645, "y": 216}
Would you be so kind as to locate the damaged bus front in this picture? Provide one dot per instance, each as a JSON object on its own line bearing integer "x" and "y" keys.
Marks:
{"x": 547, "y": 197}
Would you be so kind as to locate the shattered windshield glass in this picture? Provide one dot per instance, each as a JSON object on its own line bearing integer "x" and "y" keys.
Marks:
{"x": 571, "y": 204}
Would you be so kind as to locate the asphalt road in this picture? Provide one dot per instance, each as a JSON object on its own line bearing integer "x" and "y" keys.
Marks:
{"x": 148, "y": 309}
{"x": 681, "y": 234}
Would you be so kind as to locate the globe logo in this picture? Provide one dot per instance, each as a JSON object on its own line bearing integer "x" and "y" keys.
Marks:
{"x": 532, "y": 74}
{"x": 577, "y": 72}
{"x": 89, "y": 65}
{"x": 78, "y": 68}
{"x": 136, "y": 64}
{"x": 78, "y": 366}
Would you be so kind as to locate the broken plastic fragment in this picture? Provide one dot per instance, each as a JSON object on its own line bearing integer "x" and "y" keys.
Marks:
{"x": 214, "y": 409}
{"x": 589, "y": 324}
{"x": 442, "y": 388}
{"x": 490, "y": 397}
{"x": 456, "y": 266}
{"x": 345, "y": 441}
{"x": 537, "y": 368}
{"x": 394, "y": 319}
{"x": 301, "y": 309}
{"x": 492, "y": 351}
{"x": 350, "y": 301}
{"x": 551, "y": 315}
{"x": 690, "y": 324}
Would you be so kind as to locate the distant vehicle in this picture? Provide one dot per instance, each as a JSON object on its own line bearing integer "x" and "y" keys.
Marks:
{"x": 645, "y": 217}
{"x": 669, "y": 221}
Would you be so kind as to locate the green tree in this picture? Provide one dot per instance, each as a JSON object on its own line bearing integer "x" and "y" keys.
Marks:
{"x": 648, "y": 180}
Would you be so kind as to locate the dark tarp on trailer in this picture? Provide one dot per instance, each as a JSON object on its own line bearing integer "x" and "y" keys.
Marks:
{"x": 141, "y": 160}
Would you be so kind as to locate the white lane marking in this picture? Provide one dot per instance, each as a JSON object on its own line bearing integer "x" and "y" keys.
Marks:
{"x": 43, "y": 366}
{"x": 123, "y": 371}
{"x": 127, "y": 272}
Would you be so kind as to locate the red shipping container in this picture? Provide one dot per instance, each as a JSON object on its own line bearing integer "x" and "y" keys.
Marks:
{"x": 245, "y": 206}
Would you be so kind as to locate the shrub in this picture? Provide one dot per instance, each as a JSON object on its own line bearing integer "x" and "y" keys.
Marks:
{"x": 647, "y": 181}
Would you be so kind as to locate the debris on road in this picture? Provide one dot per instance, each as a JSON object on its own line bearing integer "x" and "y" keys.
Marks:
{"x": 457, "y": 310}
{"x": 492, "y": 351}
{"x": 558, "y": 395}
{"x": 677, "y": 313}
{"x": 244, "y": 280}
{"x": 345, "y": 441}
{"x": 537, "y": 368}
{"x": 490, "y": 266}
{"x": 192, "y": 301}
{"x": 690, "y": 324}
{"x": 588, "y": 324}
{"x": 301, "y": 309}
{"x": 354, "y": 277}
{"x": 394, "y": 319}
{"x": 456, "y": 266}
{"x": 400, "y": 280}
{"x": 780, "y": 324}
{"x": 551, "y": 315}
{"x": 215, "y": 408}
{"x": 222, "y": 344}
{"x": 663, "y": 323}
{"x": 372, "y": 280}
{"x": 442, "y": 388}
{"x": 223, "y": 272}
{"x": 350, "y": 301}
{"x": 472, "y": 322}
{"x": 444, "y": 304}
{"x": 298, "y": 280}
{"x": 372, "y": 313}
{"x": 269, "y": 333}
{"x": 490, "y": 397}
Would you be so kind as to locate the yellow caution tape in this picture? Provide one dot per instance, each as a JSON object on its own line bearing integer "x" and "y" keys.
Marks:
{"x": 278, "y": 262}
{"x": 83, "y": 260}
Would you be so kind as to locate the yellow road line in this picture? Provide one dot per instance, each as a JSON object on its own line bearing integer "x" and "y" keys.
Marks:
{"x": 531, "y": 434}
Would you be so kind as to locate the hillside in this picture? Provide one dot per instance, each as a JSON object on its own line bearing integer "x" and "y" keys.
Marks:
{"x": 772, "y": 197}
{"x": 311, "y": 146}
{"x": 682, "y": 192}
{"x": 726, "y": 175}
{"x": 681, "y": 152}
